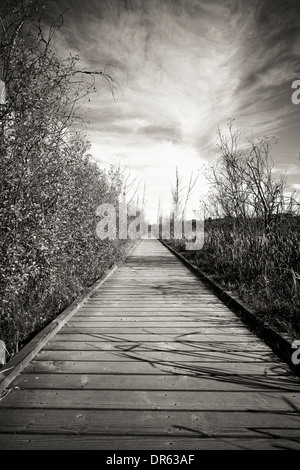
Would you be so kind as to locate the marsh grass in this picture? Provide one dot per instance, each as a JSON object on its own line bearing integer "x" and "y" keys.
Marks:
{"x": 261, "y": 267}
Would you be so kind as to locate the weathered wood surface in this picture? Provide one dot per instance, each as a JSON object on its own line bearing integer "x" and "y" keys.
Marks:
{"x": 153, "y": 361}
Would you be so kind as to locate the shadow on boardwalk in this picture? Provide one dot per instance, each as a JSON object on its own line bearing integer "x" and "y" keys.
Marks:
{"x": 153, "y": 361}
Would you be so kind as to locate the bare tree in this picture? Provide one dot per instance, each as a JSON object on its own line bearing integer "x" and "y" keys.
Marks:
{"x": 192, "y": 183}
{"x": 129, "y": 191}
{"x": 159, "y": 211}
{"x": 177, "y": 194}
{"x": 228, "y": 188}
{"x": 243, "y": 184}
{"x": 29, "y": 63}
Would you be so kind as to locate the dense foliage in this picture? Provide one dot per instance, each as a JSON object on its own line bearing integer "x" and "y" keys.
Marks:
{"x": 50, "y": 188}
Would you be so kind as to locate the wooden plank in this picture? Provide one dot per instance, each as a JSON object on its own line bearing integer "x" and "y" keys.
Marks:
{"x": 207, "y": 314}
{"x": 151, "y": 443}
{"x": 153, "y": 319}
{"x": 158, "y": 293}
{"x": 158, "y": 298}
{"x": 194, "y": 332}
{"x": 166, "y": 400}
{"x": 189, "y": 304}
{"x": 232, "y": 424}
{"x": 189, "y": 339}
{"x": 165, "y": 307}
{"x": 192, "y": 300}
{"x": 126, "y": 354}
{"x": 136, "y": 325}
{"x": 219, "y": 382}
{"x": 78, "y": 344}
{"x": 181, "y": 321}
{"x": 158, "y": 367}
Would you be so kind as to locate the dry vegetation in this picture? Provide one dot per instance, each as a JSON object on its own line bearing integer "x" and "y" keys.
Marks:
{"x": 252, "y": 232}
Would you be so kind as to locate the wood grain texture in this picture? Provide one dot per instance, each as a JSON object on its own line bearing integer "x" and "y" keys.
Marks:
{"x": 153, "y": 360}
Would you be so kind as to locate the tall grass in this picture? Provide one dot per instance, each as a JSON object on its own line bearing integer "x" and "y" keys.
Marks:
{"x": 262, "y": 268}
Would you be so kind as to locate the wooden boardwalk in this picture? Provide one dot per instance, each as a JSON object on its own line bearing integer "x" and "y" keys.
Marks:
{"x": 153, "y": 361}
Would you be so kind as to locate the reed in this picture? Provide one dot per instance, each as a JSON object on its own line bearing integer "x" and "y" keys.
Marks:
{"x": 261, "y": 268}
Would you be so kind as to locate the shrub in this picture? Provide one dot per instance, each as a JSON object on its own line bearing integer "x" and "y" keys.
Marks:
{"x": 50, "y": 187}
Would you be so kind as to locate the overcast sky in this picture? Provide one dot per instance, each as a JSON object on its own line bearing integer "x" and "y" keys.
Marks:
{"x": 185, "y": 67}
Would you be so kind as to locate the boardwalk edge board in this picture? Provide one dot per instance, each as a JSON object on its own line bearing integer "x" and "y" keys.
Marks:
{"x": 13, "y": 367}
{"x": 276, "y": 341}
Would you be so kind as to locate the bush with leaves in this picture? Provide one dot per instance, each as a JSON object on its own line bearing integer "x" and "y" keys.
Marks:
{"x": 50, "y": 187}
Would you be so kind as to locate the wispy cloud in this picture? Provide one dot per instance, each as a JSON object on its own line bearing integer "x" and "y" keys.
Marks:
{"x": 184, "y": 67}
